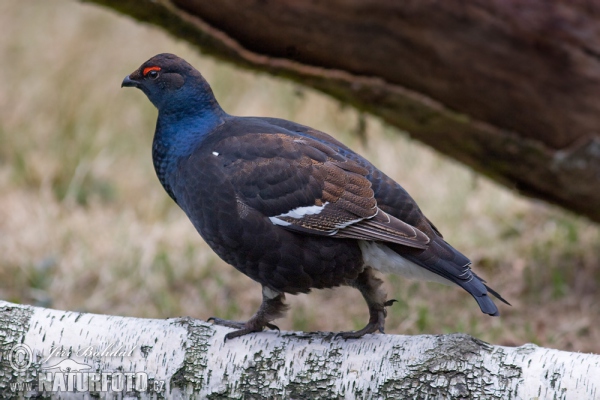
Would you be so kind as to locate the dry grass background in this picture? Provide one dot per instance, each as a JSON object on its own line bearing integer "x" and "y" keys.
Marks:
{"x": 85, "y": 225}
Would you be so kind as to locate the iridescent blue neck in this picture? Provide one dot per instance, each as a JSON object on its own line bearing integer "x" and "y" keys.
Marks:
{"x": 176, "y": 129}
{"x": 177, "y": 135}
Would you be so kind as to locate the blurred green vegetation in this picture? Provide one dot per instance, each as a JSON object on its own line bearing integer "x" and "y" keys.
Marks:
{"x": 85, "y": 225}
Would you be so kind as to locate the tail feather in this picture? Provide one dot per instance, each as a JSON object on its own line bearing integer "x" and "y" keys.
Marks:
{"x": 487, "y": 305}
{"x": 497, "y": 295}
{"x": 444, "y": 260}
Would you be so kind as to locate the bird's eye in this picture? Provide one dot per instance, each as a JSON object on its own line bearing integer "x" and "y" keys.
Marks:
{"x": 153, "y": 74}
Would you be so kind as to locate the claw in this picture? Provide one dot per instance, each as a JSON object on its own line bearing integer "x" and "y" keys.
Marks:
{"x": 390, "y": 302}
{"x": 273, "y": 327}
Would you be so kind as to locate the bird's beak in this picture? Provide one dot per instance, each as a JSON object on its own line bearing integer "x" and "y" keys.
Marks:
{"x": 128, "y": 82}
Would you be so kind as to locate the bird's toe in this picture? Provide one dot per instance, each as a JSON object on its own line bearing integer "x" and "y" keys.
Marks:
{"x": 370, "y": 328}
{"x": 227, "y": 323}
{"x": 242, "y": 328}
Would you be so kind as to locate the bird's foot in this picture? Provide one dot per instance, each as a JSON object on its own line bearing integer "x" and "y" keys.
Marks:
{"x": 272, "y": 307}
{"x": 243, "y": 328}
{"x": 376, "y": 322}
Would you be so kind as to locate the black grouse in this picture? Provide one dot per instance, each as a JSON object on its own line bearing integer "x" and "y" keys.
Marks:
{"x": 287, "y": 205}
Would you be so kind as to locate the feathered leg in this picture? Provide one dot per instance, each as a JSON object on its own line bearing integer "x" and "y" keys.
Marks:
{"x": 370, "y": 287}
{"x": 271, "y": 308}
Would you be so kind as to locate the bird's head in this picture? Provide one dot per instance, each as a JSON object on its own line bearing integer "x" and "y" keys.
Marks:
{"x": 172, "y": 85}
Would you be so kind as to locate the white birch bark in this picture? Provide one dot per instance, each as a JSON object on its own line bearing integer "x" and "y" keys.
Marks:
{"x": 186, "y": 358}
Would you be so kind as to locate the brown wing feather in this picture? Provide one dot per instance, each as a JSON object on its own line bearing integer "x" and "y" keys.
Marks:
{"x": 313, "y": 189}
{"x": 386, "y": 228}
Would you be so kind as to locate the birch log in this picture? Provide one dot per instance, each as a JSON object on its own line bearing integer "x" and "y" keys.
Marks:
{"x": 62, "y": 354}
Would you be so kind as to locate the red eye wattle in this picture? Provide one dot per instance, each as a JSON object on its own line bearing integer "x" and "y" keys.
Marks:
{"x": 148, "y": 69}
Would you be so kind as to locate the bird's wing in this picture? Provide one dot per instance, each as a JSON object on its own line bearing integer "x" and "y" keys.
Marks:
{"x": 304, "y": 185}
{"x": 391, "y": 196}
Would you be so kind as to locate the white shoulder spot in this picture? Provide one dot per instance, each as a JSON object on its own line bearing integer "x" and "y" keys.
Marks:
{"x": 215, "y": 153}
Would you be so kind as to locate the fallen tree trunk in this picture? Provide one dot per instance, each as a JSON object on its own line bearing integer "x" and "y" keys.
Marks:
{"x": 61, "y": 354}
{"x": 508, "y": 88}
